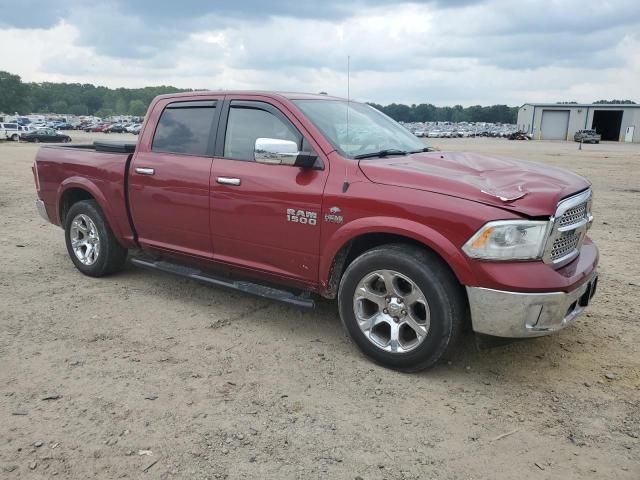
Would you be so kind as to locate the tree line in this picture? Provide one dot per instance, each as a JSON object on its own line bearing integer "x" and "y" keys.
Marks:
{"x": 75, "y": 98}
{"x": 426, "y": 112}
{"x": 87, "y": 99}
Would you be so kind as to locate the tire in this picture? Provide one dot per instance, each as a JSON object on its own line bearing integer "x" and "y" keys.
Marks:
{"x": 85, "y": 223}
{"x": 14, "y": 137}
{"x": 440, "y": 311}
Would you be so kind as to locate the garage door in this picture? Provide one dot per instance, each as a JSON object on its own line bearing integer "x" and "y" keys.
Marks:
{"x": 554, "y": 124}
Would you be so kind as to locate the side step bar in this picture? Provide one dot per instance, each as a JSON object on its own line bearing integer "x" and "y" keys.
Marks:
{"x": 242, "y": 286}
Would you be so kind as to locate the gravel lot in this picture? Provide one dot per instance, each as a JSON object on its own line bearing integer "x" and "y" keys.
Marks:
{"x": 145, "y": 375}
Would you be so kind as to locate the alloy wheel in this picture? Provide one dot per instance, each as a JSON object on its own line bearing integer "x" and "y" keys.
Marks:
{"x": 391, "y": 311}
{"x": 85, "y": 240}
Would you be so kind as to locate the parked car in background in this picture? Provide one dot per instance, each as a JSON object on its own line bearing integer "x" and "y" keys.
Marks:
{"x": 49, "y": 135}
{"x": 116, "y": 128}
{"x": 101, "y": 127}
{"x": 587, "y": 136}
{"x": 136, "y": 129}
{"x": 64, "y": 126}
{"x": 10, "y": 131}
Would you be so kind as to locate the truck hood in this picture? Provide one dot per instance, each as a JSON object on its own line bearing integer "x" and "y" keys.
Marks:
{"x": 523, "y": 187}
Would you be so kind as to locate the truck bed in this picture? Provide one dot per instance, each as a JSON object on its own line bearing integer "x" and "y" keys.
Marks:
{"x": 100, "y": 168}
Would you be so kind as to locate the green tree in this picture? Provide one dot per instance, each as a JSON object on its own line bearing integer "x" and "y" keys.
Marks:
{"x": 104, "y": 113}
{"x": 137, "y": 107}
{"x": 121, "y": 106}
{"x": 59, "y": 106}
{"x": 628, "y": 102}
{"x": 14, "y": 95}
{"x": 78, "y": 109}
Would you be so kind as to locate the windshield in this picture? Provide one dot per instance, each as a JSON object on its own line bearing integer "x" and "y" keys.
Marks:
{"x": 356, "y": 129}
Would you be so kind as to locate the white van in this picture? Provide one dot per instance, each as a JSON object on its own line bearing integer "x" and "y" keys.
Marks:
{"x": 10, "y": 131}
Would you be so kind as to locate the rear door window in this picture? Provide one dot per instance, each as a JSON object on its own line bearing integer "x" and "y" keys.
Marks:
{"x": 186, "y": 128}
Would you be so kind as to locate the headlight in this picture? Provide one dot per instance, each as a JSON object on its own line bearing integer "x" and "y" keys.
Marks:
{"x": 508, "y": 240}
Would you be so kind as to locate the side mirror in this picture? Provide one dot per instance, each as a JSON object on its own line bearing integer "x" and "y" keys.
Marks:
{"x": 275, "y": 151}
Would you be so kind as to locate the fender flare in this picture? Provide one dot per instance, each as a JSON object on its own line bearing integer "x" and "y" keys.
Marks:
{"x": 91, "y": 188}
{"x": 419, "y": 232}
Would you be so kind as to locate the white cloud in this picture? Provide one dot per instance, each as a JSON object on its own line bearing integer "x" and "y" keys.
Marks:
{"x": 490, "y": 52}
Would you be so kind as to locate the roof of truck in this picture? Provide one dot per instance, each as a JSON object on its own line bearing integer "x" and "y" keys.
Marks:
{"x": 266, "y": 93}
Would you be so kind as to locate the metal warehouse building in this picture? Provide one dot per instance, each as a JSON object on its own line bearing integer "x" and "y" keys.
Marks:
{"x": 553, "y": 121}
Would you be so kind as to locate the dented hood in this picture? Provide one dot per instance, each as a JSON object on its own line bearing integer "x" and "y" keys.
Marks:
{"x": 528, "y": 188}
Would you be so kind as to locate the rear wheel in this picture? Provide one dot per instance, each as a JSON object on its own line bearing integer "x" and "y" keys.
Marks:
{"x": 14, "y": 137}
{"x": 91, "y": 244}
{"x": 402, "y": 306}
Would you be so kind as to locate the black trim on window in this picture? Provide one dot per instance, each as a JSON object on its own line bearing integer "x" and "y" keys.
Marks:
{"x": 218, "y": 150}
{"x": 212, "y": 104}
{"x": 251, "y": 105}
{"x": 193, "y": 104}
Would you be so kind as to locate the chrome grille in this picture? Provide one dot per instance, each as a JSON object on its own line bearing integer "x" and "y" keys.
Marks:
{"x": 564, "y": 245}
{"x": 573, "y": 215}
{"x": 572, "y": 219}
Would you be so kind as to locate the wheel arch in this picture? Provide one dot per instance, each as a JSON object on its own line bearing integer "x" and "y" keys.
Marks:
{"x": 346, "y": 246}
{"x": 76, "y": 189}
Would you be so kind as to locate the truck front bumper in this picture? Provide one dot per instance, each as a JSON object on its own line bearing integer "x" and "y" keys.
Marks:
{"x": 517, "y": 315}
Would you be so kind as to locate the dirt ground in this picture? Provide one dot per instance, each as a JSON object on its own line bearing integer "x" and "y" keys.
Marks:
{"x": 145, "y": 375}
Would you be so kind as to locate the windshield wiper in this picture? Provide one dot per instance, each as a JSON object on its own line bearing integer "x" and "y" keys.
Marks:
{"x": 425, "y": 149}
{"x": 381, "y": 153}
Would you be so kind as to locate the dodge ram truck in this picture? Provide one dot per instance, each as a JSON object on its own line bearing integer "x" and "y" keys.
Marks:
{"x": 296, "y": 196}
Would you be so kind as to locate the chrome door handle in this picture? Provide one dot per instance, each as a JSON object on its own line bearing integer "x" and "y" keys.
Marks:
{"x": 145, "y": 171}
{"x": 228, "y": 181}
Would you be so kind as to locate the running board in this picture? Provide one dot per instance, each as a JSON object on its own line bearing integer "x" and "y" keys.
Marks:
{"x": 242, "y": 286}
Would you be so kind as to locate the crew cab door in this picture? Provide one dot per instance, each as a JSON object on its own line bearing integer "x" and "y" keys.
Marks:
{"x": 264, "y": 217}
{"x": 169, "y": 177}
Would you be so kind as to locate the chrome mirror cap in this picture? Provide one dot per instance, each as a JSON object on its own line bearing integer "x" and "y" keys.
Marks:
{"x": 275, "y": 151}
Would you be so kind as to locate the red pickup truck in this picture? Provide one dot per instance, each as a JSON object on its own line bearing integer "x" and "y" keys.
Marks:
{"x": 290, "y": 196}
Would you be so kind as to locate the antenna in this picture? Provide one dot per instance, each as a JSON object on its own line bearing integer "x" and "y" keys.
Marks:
{"x": 348, "y": 91}
{"x": 345, "y": 185}
{"x": 348, "y": 77}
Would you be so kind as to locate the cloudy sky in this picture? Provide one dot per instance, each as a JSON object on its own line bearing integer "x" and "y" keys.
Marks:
{"x": 441, "y": 51}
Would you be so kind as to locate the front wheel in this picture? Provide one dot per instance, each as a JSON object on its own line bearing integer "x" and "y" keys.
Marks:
{"x": 402, "y": 306}
{"x": 14, "y": 137}
{"x": 91, "y": 244}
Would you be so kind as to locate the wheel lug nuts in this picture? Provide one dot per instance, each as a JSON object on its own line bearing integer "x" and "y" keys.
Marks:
{"x": 388, "y": 299}
{"x": 404, "y": 312}
{"x": 385, "y": 311}
{"x": 396, "y": 319}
